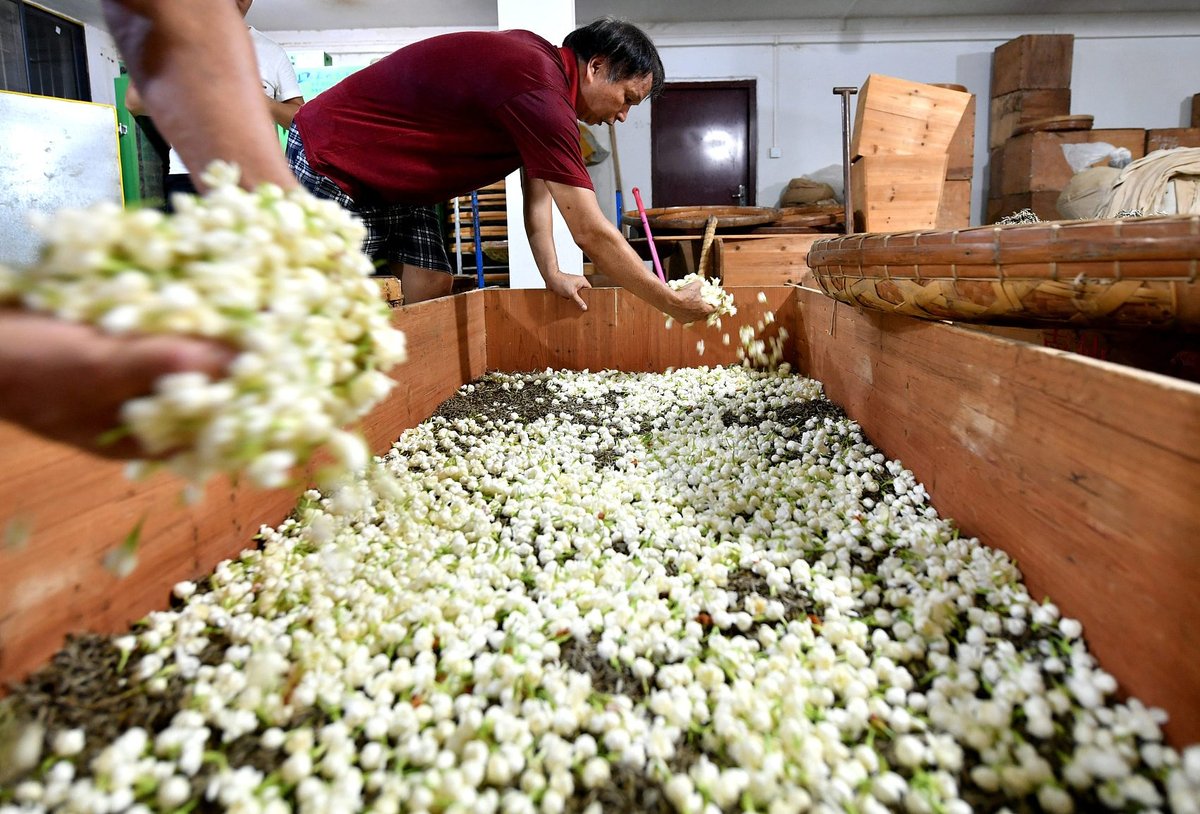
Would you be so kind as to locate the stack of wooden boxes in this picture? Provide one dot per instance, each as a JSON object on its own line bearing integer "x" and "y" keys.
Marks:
{"x": 901, "y": 149}
{"x": 1031, "y": 88}
{"x": 1169, "y": 138}
{"x": 954, "y": 211}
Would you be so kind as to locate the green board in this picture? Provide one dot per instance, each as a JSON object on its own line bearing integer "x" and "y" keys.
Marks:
{"x": 127, "y": 146}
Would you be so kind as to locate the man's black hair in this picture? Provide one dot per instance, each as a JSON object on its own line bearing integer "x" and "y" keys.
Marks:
{"x": 627, "y": 49}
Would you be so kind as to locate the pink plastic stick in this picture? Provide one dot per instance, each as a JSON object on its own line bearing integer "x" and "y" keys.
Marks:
{"x": 637, "y": 196}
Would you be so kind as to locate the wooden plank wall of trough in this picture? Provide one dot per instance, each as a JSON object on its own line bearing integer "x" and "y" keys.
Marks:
{"x": 535, "y": 329}
{"x": 71, "y": 509}
{"x": 1087, "y": 473}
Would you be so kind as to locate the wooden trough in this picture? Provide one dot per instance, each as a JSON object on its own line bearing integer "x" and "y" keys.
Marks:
{"x": 1086, "y": 472}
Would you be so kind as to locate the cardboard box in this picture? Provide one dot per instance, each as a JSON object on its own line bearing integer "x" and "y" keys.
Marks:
{"x": 1171, "y": 138}
{"x": 1010, "y": 111}
{"x": 1033, "y": 61}
{"x": 897, "y": 193}
{"x": 1034, "y": 162}
{"x": 899, "y": 117}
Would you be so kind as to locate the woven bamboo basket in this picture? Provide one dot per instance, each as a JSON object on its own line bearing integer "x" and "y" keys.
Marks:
{"x": 1097, "y": 273}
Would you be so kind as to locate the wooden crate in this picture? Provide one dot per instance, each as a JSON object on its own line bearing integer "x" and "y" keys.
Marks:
{"x": 736, "y": 259}
{"x": 995, "y": 169}
{"x": 962, "y": 146}
{"x": 1084, "y": 471}
{"x": 1008, "y": 112}
{"x": 389, "y": 289}
{"x": 1032, "y": 61}
{"x": 898, "y": 117}
{"x": 1195, "y": 110}
{"x": 1171, "y": 138}
{"x": 897, "y": 193}
{"x": 954, "y": 210}
{"x": 751, "y": 260}
{"x": 1043, "y": 204}
{"x": 1034, "y": 162}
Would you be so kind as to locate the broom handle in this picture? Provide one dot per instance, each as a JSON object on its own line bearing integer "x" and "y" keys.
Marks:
{"x": 637, "y": 197}
{"x": 710, "y": 231}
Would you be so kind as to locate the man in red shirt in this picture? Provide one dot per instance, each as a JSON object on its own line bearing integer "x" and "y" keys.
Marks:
{"x": 457, "y": 112}
{"x": 68, "y": 381}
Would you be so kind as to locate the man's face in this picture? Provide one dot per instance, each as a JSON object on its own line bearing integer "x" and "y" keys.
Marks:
{"x": 243, "y": 6}
{"x": 602, "y": 101}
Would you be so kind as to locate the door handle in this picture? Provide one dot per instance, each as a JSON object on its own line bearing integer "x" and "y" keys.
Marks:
{"x": 740, "y": 195}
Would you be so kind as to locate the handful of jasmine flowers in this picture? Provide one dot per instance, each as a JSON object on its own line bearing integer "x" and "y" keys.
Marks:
{"x": 276, "y": 275}
{"x": 712, "y": 293}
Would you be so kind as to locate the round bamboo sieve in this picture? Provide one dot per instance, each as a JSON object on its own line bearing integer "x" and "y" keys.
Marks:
{"x": 1097, "y": 273}
{"x": 694, "y": 218}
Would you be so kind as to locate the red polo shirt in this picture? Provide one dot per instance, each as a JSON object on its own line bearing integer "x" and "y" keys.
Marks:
{"x": 447, "y": 115}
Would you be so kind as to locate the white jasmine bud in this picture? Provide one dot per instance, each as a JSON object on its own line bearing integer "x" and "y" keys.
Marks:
{"x": 68, "y": 742}
{"x": 595, "y": 773}
{"x": 173, "y": 792}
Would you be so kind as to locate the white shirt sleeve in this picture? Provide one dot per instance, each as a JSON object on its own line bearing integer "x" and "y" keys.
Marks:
{"x": 278, "y": 81}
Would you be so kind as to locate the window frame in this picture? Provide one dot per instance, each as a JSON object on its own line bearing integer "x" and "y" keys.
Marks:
{"x": 64, "y": 76}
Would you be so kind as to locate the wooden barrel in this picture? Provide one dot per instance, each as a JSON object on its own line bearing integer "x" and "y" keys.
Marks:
{"x": 1097, "y": 273}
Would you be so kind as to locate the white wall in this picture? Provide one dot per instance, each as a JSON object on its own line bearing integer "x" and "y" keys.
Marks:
{"x": 553, "y": 21}
{"x": 103, "y": 64}
{"x": 1130, "y": 70}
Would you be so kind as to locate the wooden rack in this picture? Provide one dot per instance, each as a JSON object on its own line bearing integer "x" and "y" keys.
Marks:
{"x": 493, "y": 232}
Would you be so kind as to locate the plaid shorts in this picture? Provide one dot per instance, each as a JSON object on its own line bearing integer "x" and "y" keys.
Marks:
{"x": 395, "y": 233}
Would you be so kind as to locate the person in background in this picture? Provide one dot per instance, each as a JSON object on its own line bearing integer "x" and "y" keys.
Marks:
{"x": 67, "y": 382}
{"x": 456, "y": 112}
{"x": 278, "y": 84}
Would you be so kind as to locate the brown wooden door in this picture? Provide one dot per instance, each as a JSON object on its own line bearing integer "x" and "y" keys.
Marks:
{"x": 702, "y": 144}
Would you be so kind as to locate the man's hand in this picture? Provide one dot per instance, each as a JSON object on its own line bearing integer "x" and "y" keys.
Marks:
{"x": 67, "y": 381}
{"x": 568, "y": 286}
{"x": 686, "y": 305}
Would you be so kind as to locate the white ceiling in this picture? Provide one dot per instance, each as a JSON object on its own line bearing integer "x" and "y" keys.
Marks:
{"x": 319, "y": 15}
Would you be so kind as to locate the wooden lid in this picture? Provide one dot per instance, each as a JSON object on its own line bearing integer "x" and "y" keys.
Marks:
{"x": 1056, "y": 124}
{"x": 679, "y": 218}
